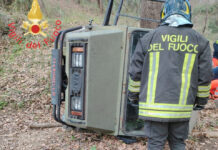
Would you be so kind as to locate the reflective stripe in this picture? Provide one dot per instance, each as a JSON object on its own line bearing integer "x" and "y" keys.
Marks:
{"x": 186, "y": 77}
{"x": 134, "y": 83}
{"x": 158, "y": 106}
{"x": 203, "y": 94}
{"x": 204, "y": 88}
{"x": 134, "y": 86}
{"x": 154, "y": 58}
{"x": 164, "y": 114}
{"x": 134, "y": 89}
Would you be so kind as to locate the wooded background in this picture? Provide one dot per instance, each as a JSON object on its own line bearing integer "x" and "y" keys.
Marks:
{"x": 145, "y": 8}
{"x": 139, "y": 8}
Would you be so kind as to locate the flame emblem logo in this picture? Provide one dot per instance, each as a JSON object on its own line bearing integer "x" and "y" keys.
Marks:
{"x": 35, "y": 16}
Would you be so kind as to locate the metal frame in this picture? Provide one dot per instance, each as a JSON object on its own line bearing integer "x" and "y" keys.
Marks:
{"x": 108, "y": 13}
{"x": 118, "y": 14}
{"x": 57, "y": 99}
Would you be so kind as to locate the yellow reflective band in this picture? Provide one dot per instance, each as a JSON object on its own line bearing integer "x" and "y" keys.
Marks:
{"x": 164, "y": 114}
{"x": 193, "y": 56}
{"x": 203, "y": 94}
{"x": 162, "y": 15}
{"x": 217, "y": 42}
{"x": 204, "y": 88}
{"x": 134, "y": 89}
{"x": 169, "y": 107}
{"x": 155, "y": 76}
{"x": 134, "y": 83}
{"x": 154, "y": 58}
{"x": 149, "y": 76}
{"x": 186, "y": 77}
{"x": 187, "y": 9}
{"x": 183, "y": 78}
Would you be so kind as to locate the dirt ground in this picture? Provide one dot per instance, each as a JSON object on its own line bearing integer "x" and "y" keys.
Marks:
{"x": 16, "y": 134}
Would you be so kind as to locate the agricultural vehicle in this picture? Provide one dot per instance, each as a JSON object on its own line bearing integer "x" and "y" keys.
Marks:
{"x": 90, "y": 76}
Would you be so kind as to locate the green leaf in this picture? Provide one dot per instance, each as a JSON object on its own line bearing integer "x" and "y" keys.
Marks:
{"x": 73, "y": 138}
{"x": 93, "y": 148}
{"x": 3, "y": 104}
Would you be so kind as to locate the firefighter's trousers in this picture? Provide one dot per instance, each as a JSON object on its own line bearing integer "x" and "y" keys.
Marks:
{"x": 159, "y": 132}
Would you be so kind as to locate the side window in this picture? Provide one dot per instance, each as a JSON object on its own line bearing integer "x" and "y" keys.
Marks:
{"x": 136, "y": 35}
{"x": 132, "y": 123}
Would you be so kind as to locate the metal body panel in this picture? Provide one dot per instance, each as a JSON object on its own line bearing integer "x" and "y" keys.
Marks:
{"x": 103, "y": 71}
{"x": 105, "y": 54}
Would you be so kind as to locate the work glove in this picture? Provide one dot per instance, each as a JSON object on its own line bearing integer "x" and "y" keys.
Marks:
{"x": 133, "y": 98}
{"x": 132, "y": 107}
{"x": 200, "y": 103}
{"x": 198, "y": 107}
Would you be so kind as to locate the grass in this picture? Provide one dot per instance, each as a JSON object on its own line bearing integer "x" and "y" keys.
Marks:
{"x": 3, "y": 104}
{"x": 93, "y": 147}
{"x": 22, "y": 5}
{"x": 73, "y": 138}
{"x": 192, "y": 138}
{"x": 1, "y": 70}
{"x": 21, "y": 104}
{"x": 73, "y": 14}
{"x": 16, "y": 51}
{"x": 17, "y": 105}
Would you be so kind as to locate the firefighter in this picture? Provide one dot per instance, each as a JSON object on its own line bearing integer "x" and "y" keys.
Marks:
{"x": 170, "y": 74}
{"x": 215, "y": 54}
{"x": 215, "y": 60}
{"x": 214, "y": 83}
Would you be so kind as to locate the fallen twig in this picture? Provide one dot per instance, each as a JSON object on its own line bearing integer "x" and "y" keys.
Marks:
{"x": 199, "y": 134}
{"x": 36, "y": 126}
{"x": 212, "y": 134}
{"x": 207, "y": 134}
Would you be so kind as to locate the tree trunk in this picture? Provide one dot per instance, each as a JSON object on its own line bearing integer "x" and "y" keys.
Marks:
{"x": 43, "y": 8}
{"x": 151, "y": 10}
{"x": 78, "y": 1}
{"x": 100, "y": 5}
{"x": 6, "y": 2}
{"x": 205, "y": 21}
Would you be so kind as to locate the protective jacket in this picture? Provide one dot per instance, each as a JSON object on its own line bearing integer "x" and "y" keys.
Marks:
{"x": 215, "y": 62}
{"x": 171, "y": 70}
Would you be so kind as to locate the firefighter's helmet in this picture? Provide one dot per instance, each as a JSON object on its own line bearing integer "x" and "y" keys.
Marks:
{"x": 180, "y": 7}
